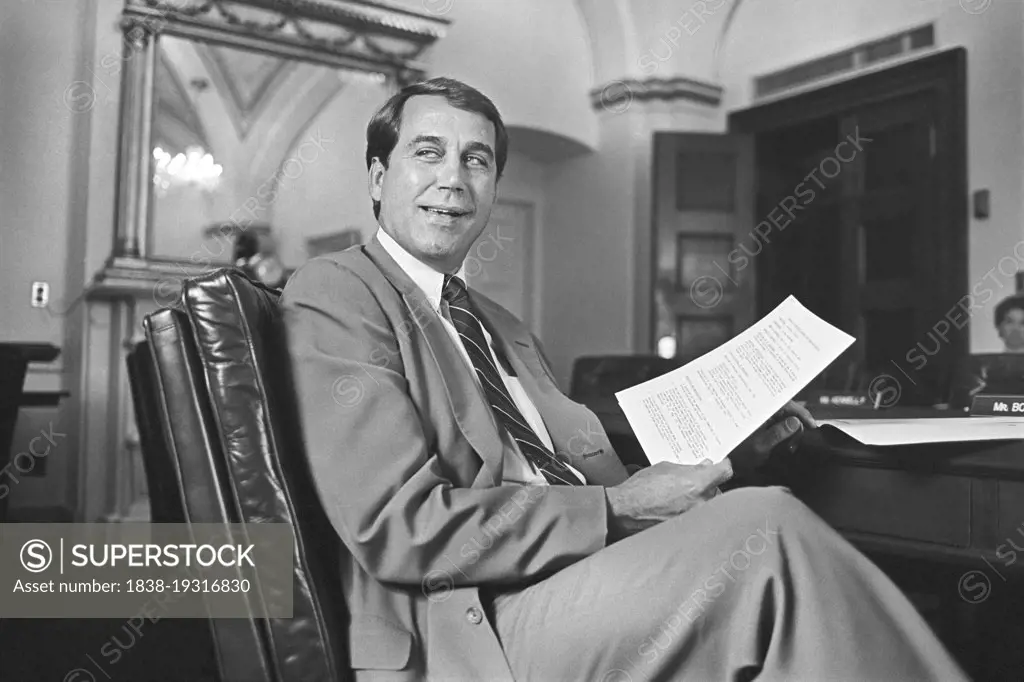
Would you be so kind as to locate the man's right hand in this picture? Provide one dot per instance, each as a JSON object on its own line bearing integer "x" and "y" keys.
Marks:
{"x": 660, "y": 492}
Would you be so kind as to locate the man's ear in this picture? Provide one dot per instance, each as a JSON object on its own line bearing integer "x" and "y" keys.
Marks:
{"x": 376, "y": 178}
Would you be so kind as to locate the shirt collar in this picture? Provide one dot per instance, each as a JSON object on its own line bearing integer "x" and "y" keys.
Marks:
{"x": 429, "y": 280}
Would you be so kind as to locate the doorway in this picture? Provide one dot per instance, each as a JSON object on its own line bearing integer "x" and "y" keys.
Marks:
{"x": 857, "y": 193}
{"x": 857, "y": 207}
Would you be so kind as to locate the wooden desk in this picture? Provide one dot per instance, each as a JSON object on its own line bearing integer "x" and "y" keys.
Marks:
{"x": 955, "y": 503}
{"x": 951, "y": 502}
{"x": 938, "y": 518}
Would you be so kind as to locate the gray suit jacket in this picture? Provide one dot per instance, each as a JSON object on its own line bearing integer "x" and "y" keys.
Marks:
{"x": 407, "y": 458}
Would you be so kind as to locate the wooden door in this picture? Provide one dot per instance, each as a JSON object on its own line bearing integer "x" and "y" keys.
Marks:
{"x": 500, "y": 264}
{"x": 863, "y": 251}
{"x": 703, "y": 210}
{"x": 894, "y": 275}
{"x": 881, "y": 249}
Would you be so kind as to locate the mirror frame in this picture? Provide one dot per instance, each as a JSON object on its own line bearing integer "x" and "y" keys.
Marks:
{"x": 348, "y": 34}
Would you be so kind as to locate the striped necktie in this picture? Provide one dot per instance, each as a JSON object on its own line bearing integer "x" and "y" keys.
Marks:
{"x": 471, "y": 332}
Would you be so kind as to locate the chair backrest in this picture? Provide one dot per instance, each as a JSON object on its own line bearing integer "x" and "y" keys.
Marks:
{"x": 597, "y": 378}
{"x": 215, "y": 379}
{"x": 987, "y": 373}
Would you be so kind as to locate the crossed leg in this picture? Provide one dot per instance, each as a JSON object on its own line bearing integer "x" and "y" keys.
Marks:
{"x": 749, "y": 585}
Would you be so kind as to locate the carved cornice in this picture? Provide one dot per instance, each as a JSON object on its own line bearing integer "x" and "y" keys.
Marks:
{"x": 341, "y": 32}
{"x": 617, "y": 96}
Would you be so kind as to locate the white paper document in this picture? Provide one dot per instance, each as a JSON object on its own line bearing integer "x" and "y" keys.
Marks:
{"x": 706, "y": 408}
{"x": 938, "y": 430}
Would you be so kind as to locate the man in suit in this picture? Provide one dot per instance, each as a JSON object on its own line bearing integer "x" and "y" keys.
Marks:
{"x": 492, "y": 532}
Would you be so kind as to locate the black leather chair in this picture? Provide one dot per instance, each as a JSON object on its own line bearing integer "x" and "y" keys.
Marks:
{"x": 222, "y": 443}
{"x": 597, "y": 378}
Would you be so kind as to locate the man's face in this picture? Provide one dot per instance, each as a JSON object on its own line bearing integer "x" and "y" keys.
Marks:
{"x": 438, "y": 188}
{"x": 1011, "y": 330}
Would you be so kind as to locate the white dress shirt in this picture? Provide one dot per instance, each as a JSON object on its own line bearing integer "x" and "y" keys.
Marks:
{"x": 517, "y": 469}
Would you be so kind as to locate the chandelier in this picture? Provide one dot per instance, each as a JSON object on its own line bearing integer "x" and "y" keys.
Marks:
{"x": 193, "y": 167}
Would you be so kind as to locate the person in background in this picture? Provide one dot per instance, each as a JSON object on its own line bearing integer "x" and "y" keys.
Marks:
{"x": 1010, "y": 323}
{"x": 256, "y": 265}
{"x": 247, "y": 245}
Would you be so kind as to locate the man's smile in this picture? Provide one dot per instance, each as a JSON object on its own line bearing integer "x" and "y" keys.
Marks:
{"x": 450, "y": 211}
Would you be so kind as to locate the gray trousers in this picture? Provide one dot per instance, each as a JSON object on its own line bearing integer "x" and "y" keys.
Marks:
{"x": 750, "y": 585}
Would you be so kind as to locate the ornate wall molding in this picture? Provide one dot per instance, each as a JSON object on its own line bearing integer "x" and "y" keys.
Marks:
{"x": 354, "y": 33}
{"x": 616, "y": 96}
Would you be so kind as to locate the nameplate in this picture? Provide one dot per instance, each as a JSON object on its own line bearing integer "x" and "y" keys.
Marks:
{"x": 997, "y": 406}
{"x": 839, "y": 399}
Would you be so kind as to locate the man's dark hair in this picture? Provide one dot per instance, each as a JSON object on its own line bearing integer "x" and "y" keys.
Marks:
{"x": 1006, "y": 305}
{"x": 382, "y": 132}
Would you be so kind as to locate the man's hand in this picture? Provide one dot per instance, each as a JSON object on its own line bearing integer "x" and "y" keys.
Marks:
{"x": 783, "y": 429}
{"x": 660, "y": 492}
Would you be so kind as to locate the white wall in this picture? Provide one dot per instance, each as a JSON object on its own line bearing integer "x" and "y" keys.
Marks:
{"x": 587, "y": 251}
{"x": 38, "y": 43}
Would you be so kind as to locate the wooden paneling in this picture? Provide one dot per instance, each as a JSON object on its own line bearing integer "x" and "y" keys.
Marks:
{"x": 897, "y": 504}
{"x": 1011, "y": 511}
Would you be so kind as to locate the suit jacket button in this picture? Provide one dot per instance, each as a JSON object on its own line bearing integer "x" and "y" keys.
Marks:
{"x": 474, "y": 616}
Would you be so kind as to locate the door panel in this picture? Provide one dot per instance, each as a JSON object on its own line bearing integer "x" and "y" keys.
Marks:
{"x": 889, "y": 208}
{"x": 863, "y": 252}
{"x": 500, "y": 264}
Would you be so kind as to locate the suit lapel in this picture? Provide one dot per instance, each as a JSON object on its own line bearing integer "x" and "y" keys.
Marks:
{"x": 472, "y": 413}
{"x": 575, "y": 431}
{"x": 506, "y": 336}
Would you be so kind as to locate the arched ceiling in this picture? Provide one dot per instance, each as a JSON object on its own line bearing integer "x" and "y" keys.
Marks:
{"x": 656, "y": 39}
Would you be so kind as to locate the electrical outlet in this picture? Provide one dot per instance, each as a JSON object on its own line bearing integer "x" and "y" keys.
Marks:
{"x": 40, "y": 294}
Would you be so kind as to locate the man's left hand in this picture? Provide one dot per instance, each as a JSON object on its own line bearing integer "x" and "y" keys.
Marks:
{"x": 783, "y": 430}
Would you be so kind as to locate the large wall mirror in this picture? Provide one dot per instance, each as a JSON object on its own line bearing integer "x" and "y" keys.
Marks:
{"x": 249, "y": 116}
{"x": 259, "y": 141}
